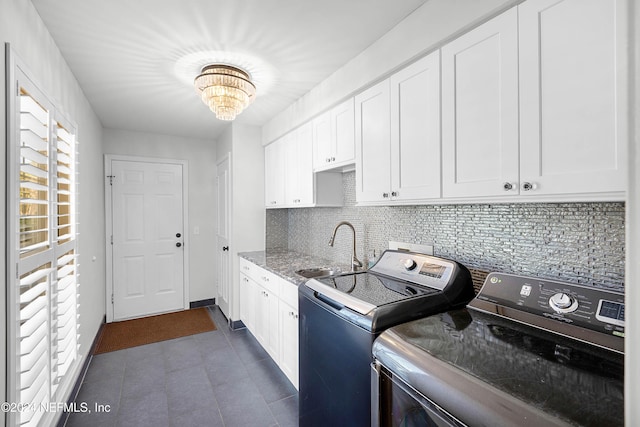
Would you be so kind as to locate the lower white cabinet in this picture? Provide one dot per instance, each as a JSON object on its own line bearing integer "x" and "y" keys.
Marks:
{"x": 269, "y": 309}
{"x": 289, "y": 341}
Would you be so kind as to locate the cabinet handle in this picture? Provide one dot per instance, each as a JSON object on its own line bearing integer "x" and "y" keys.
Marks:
{"x": 385, "y": 195}
{"x": 527, "y": 186}
{"x": 507, "y": 186}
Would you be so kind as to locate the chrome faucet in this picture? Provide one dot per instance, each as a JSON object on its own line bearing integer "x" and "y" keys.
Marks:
{"x": 355, "y": 262}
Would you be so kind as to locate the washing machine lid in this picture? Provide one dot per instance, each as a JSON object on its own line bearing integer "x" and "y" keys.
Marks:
{"x": 483, "y": 367}
{"x": 364, "y": 292}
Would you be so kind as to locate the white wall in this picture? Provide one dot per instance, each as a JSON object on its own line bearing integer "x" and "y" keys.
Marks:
{"x": 201, "y": 157}
{"x": 632, "y": 291}
{"x": 42, "y": 57}
{"x": 248, "y": 223}
{"x": 247, "y": 198}
{"x": 423, "y": 31}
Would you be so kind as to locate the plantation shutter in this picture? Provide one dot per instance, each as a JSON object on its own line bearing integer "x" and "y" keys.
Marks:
{"x": 35, "y": 267}
{"x": 42, "y": 229}
{"x": 65, "y": 316}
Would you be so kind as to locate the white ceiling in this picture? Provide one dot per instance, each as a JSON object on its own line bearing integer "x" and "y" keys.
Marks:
{"x": 136, "y": 60}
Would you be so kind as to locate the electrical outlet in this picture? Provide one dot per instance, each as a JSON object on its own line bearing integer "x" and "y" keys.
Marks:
{"x": 411, "y": 247}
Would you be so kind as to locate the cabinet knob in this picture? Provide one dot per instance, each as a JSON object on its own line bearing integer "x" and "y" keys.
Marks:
{"x": 527, "y": 186}
{"x": 394, "y": 193}
{"x": 507, "y": 186}
{"x": 333, "y": 159}
{"x": 328, "y": 160}
{"x": 385, "y": 195}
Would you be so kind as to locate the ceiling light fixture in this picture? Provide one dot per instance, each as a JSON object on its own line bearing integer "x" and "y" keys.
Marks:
{"x": 227, "y": 90}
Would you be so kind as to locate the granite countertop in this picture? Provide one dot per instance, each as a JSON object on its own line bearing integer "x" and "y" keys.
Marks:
{"x": 284, "y": 263}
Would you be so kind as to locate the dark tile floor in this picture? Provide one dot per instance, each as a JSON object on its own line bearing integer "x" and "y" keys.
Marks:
{"x": 220, "y": 378}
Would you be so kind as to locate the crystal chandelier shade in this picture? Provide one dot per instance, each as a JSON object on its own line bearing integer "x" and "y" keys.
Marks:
{"x": 225, "y": 89}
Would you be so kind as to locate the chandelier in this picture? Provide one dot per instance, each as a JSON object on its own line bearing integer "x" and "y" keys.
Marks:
{"x": 225, "y": 89}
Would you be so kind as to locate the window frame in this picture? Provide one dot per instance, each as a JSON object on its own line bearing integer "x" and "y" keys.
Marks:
{"x": 58, "y": 388}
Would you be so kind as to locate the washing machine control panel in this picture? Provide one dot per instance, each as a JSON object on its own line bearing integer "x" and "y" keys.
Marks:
{"x": 593, "y": 308}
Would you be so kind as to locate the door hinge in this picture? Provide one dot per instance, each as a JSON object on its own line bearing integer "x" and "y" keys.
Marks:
{"x": 111, "y": 298}
{"x": 111, "y": 179}
{"x": 112, "y": 239}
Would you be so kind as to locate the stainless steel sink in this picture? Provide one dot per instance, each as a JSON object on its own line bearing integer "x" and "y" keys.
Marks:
{"x": 311, "y": 273}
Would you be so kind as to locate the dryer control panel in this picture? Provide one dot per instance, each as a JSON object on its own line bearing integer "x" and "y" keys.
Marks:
{"x": 596, "y": 309}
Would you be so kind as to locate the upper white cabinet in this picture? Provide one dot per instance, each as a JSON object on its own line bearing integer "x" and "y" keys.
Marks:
{"x": 534, "y": 104}
{"x": 274, "y": 170}
{"x": 573, "y": 96}
{"x": 299, "y": 170}
{"x": 333, "y": 137}
{"x": 415, "y": 130}
{"x": 289, "y": 178}
{"x": 480, "y": 110}
{"x": 398, "y": 136}
{"x": 373, "y": 168}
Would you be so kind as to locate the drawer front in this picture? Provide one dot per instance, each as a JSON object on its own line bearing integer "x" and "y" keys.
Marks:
{"x": 269, "y": 281}
{"x": 248, "y": 268}
{"x": 289, "y": 294}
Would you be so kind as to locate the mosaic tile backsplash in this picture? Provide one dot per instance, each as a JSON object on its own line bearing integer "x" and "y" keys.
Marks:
{"x": 575, "y": 242}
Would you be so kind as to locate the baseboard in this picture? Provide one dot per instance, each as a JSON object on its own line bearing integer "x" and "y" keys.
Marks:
{"x": 202, "y": 303}
{"x": 83, "y": 371}
{"x": 236, "y": 324}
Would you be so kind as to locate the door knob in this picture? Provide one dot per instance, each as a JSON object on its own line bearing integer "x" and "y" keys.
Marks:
{"x": 178, "y": 244}
{"x": 225, "y": 248}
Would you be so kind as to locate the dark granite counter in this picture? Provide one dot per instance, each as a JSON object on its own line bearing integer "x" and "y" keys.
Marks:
{"x": 284, "y": 263}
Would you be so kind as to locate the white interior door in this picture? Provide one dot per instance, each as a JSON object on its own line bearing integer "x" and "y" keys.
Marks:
{"x": 222, "y": 231}
{"x": 148, "y": 238}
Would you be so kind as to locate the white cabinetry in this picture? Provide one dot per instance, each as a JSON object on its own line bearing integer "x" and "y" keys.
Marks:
{"x": 274, "y": 170}
{"x": 299, "y": 177}
{"x": 415, "y": 130}
{"x": 289, "y": 331}
{"x": 289, "y": 178}
{"x": 269, "y": 309}
{"x": 534, "y": 104}
{"x": 373, "y": 168}
{"x": 480, "y": 109}
{"x": 573, "y": 96}
{"x": 398, "y": 136}
{"x": 333, "y": 137}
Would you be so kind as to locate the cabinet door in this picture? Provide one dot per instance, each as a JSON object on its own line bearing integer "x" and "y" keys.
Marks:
{"x": 573, "y": 88}
{"x": 480, "y": 110}
{"x": 274, "y": 174}
{"x": 272, "y": 333}
{"x": 289, "y": 342}
{"x": 343, "y": 133}
{"x": 322, "y": 150}
{"x": 248, "y": 295}
{"x": 262, "y": 316}
{"x": 373, "y": 172}
{"x": 299, "y": 171}
{"x": 415, "y": 130}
